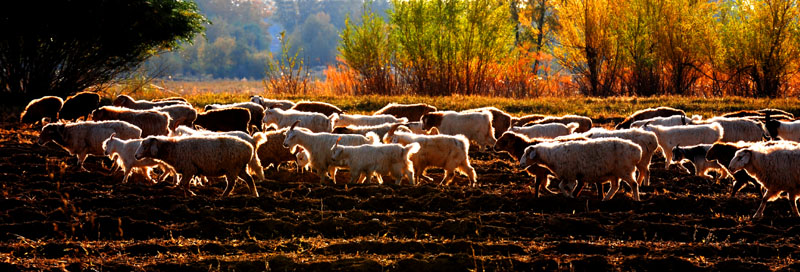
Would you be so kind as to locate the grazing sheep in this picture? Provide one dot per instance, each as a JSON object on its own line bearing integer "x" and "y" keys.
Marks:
{"x": 738, "y": 129}
{"x": 150, "y": 121}
{"x": 501, "y": 121}
{"x": 44, "y": 107}
{"x": 79, "y": 105}
{"x": 585, "y": 123}
{"x": 124, "y": 151}
{"x": 227, "y": 119}
{"x": 670, "y": 137}
{"x": 697, "y": 155}
{"x": 316, "y": 122}
{"x": 547, "y": 131}
{"x": 514, "y": 144}
{"x": 209, "y": 156}
{"x": 383, "y": 159}
{"x": 272, "y": 103}
{"x": 128, "y": 102}
{"x": 254, "y": 165}
{"x": 380, "y": 130}
{"x": 412, "y": 112}
{"x": 256, "y": 111}
{"x": 318, "y": 107}
{"x": 344, "y": 120}
{"x": 180, "y": 115}
{"x": 789, "y": 131}
{"x": 319, "y": 145}
{"x": 270, "y": 149}
{"x": 648, "y": 114}
{"x": 521, "y": 121}
{"x": 476, "y": 126}
{"x": 723, "y": 153}
{"x": 645, "y": 139}
{"x": 442, "y": 151}
{"x": 587, "y": 161}
{"x": 670, "y": 121}
{"x": 86, "y": 138}
{"x": 774, "y": 166}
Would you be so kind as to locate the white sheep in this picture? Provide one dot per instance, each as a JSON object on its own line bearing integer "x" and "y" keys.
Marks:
{"x": 670, "y": 137}
{"x": 344, "y": 120}
{"x": 125, "y": 150}
{"x": 316, "y": 122}
{"x": 254, "y": 165}
{"x": 592, "y": 161}
{"x": 380, "y": 130}
{"x": 382, "y": 159}
{"x": 270, "y": 149}
{"x": 442, "y": 151}
{"x": 209, "y": 156}
{"x": 645, "y": 139}
{"x": 180, "y": 115}
{"x": 585, "y": 123}
{"x": 697, "y": 155}
{"x": 675, "y": 120}
{"x": 547, "y": 131}
{"x": 476, "y": 126}
{"x": 272, "y": 103}
{"x": 789, "y": 131}
{"x": 774, "y": 166}
{"x": 303, "y": 160}
{"x": 738, "y": 129}
{"x": 86, "y": 138}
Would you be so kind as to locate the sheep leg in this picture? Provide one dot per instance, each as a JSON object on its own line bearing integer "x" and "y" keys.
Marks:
{"x": 449, "y": 175}
{"x": 81, "y": 159}
{"x": 767, "y": 195}
{"x": 230, "y": 183}
{"x": 356, "y": 177}
{"x": 255, "y": 166}
{"x": 613, "y": 190}
{"x": 470, "y": 174}
{"x": 793, "y": 203}
{"x": 740, "y": 180}
{"x": 634, "y": 186}
{"x": 251, "y": 184}
{"x": 644, "y": 173}
{"x": 128, "y": 173}
{"x": 410, "y": 177}
{"x": 184, "y": 183}
{"x": 564, "y": 190}
{"x": 577, "y": 191}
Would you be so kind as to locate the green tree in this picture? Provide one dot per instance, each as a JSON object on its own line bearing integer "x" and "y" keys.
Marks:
{"x": 61, "y": 47}
{"x": 318, "y": 38}
{"x": 366, "y": 49}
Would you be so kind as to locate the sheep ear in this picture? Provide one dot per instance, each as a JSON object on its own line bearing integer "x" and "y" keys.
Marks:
{"x": 337, "y": 143}
{"x": 392, "y": 129}
{"x": 294, "y": 125}
{"x": 112, "y": 135}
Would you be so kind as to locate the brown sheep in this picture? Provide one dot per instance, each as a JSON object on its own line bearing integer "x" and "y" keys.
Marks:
{"x": 79, "y": 105}
{"x": 270, "y": 149}
{"x": 649, "y": 113}
{"x": 501, "y": 121}
{"x": 412, "y": 112}
{"x": 320, "y": 107}
{"x": 45, "y": 107}
{"x": 723, "y": 153}
{"x": 151, "y": 122}
{"x": 256, "y": 111}
{"x": 227, "y": 119}
{"x": 521, "y": 121}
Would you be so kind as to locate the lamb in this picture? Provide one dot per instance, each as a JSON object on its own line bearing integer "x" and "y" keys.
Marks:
{"x": 383, "y": 159}
{"x": 227, "y": 119}
{"x": 646, "y": 140}
{"x": 316, "y": 122}
{"x": 180, "y": 115}
{"x": 254, "y": 165}
{"x": 585, "y": 123}
{"x": 344, "y": 120}
{"x": 775, "y": 168}
{"x": 303, "y": 160}
{"x": 209, "y": 156}
{"x": 649, "y": 114}
{"x": 442, "y": 151}
{"x": 46, "y": 107}
{"x": 675, "y": 120}
{"x": 476, "y": 126}
{"x": 270, "y": 149}
{"x": 128, "y": 102}
{"x": 124, "y": 151}
{"x": 547, "y": 131}
{"x": 670, "y": 137}
{"x": 697, "y": 155}
{"x": 501, "y": 121}
{"x": 256, "y": 111}
{"x": 723, "y": 153}
{"x": 272, "y": 103}
{"x": 585, "y": 161}
{"x": 412, "y": 112}
{"x": 150, "y": 121}
{"x": 521, "y": 121}
{"x": 380, "y": 130}
{"x": 79, "y": 105}
{"x": 318, "y": 107}
{"x": 738, "y": 129}
{"x": 789, "y": 131}
{"x": 514, "y": 144}
{"x": 86, "y": 138}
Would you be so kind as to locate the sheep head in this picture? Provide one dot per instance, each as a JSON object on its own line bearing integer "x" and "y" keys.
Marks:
{"x": 740, "y": 160}
{"x": 528, "y": 157}
{"x": 432, "y": 119}
{"x": 678, "y": 153}
{"x": 122, "y": 100}
{"x": 337, "y": 151}
{"x": 149, "y": 148}
{"x": 772, "y": 126}
{"x": 52, "y": 132}
{"x": 108, "y": 149}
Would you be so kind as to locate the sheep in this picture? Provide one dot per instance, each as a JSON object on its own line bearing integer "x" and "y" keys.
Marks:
{"x": 380, "y": 130}
{"x": 124, "y": 151}
{"x": 743, "y": 113}
{"x": 723, "y": 153}
{"x": 670, "y": 137}
{"x": 738, "y": 129}
{"x": 254, "y": 165}
{"x": 514, "y": 144}
{"x": 584, "y": 122}
{"x": 180, "y": 115}
{"x": 256, "y": 111}
{"x": 776, "y": 112}
{"x": 648, "y": 114}
{"x": 86, "y": 138}
{"x": 79, "y": 105}
{"x": 318, "y": 107}
{"x": 150, "y": 121}
{"x": 442, "y": 151}
{"x": 128, "y": 102}
{"x": 172, "y": 98}
{"x": 343, "y": 120}
{"x": 316, "y": 122}
{"x": 789, "y": 131}
{"x": 501, "y": 121}
{"x": 521, "y": 121}
{"x": 645, "y": 139}
{"x": 476, "y": 126}
{"x": 227, "y": 119}
{"x": 209, "y": 156}
{"x": 272, "y": 103}
{"x": 586, "y": 161}
{"x": 697, "y": 155}
{"x": 46, "y": 107}
{"x": 547, "y": 131}
{"x": 774, "y": 166}
{"x": 412, "y": 112}
{"x": 382, "y": 159}
{"x": 417, "y": 128}
{"x": 270, "y": 149}
{"x": 675, "y": 120}
{"x": 318, "y": 146}
{"x": 303, "y": 160}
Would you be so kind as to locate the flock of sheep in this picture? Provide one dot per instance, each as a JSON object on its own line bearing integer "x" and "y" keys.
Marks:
{"x": 402, "y": 141}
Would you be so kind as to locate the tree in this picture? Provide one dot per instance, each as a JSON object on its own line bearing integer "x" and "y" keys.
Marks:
{"x": 367, "y": 50}
{"x": 61, "y": 47}
{"x": 318, "y": 38}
